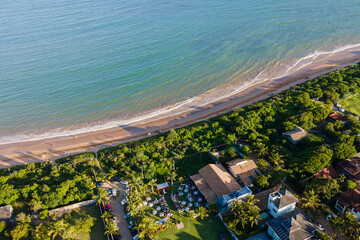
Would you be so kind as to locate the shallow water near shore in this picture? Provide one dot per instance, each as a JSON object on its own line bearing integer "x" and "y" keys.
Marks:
{"x": 68, "y": 67}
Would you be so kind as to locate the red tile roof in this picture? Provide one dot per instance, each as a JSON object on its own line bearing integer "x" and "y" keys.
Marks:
{"x": 337, "y": 116}
{"x": 352, "y": 167}
{"x": 351, "y": 199}
{"x": 328, "y": 172}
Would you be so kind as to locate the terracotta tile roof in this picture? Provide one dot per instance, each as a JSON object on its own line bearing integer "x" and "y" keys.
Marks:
{"x": 296, "y": 134}
{"x": 337, "y": 116}
{"x": 214, "y": 178}
{"x": 328, "y": 172}
{"x": 244, "y": 169}
{"x": 204, "y": 188}
{"x": 5, "y": 212}
{"x": 350, "y": 198}
{"x": 352, "y": 167}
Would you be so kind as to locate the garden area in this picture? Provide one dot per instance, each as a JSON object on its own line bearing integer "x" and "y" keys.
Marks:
{"x": 97, "y": 230}
{"x": 352, "y": 104}
{"x": 180, "y": 213}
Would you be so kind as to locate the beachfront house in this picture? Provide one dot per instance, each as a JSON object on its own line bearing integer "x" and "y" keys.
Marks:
{"x": 281, "y": 202}
{"x": 349, "y": 201}
{"x": 217, "y": 185}
{"x": 244, "y": 170}
{"x": 295, "y": 135}
{"x": 295, "y": 225}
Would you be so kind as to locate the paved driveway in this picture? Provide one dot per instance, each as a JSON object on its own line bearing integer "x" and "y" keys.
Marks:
{"x": 118, "y": 209}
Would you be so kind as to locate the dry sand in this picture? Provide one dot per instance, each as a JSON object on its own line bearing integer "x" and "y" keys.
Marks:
{"x": 40, "y": 150}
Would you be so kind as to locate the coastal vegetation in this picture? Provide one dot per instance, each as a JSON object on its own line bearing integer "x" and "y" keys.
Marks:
{"x": 38, "y": 187}
{"x": 254, "y": 131}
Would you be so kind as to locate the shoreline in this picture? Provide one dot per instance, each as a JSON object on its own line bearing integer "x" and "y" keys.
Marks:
{"x": 16, "y": 153}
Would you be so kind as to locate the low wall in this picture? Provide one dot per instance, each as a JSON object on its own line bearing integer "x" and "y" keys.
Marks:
{"x": 73, "y": 206}
{"x": 232, "y": 234}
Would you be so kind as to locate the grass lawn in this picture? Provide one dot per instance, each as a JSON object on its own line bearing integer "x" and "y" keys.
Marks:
{"x": 352, "y": 104}
{"x": 196, "y": 229}
{"x": 97, "y": 231}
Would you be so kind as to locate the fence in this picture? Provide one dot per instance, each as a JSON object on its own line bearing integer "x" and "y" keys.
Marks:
{"x": 73, "y": 206}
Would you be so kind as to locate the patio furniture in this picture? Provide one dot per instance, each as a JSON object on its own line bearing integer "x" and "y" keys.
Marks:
{"x": 145, "y": 203}
{"x": 187, "y": 209}
{"x": 154, "y": 212}
{"x": 151, "y": 204}
{"x": 193, "y": 187}
{"x": 196, "y": 192}
{"x": 186, "y": 190}
{"x": 183, "y": 203}
{"x": 148, "y": 199}
{"x": 161, "y": 214}
{"x": 181, "y": 193}
{"x": 200, "y": 199}
{"x": 158, "y": 208}
{"x": 190, "y": 204}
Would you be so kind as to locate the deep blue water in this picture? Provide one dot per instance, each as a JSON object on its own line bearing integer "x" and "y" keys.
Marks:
{"x": 69, "y": 64}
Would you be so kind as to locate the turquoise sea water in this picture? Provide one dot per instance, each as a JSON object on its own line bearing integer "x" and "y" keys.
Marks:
{"x": 66, "y": 65}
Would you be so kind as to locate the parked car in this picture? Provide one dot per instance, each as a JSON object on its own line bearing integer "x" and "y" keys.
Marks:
{"x": 116, "y": 179}
{"x": 123, "y": 201}
{"x": 130, "y": 224}
{"x": 320, "y": 226}
{"x": 124, "y": 182}
{"x": 126, "y": 187}
{"x": 108, "y": 208}
{"x": 112, "y": 192}
{"x": 221, "y": 235}
{"x": 127, "y": 215}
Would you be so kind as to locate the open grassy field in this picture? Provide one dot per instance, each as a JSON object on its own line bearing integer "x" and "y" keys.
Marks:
{"x": 97, "y": 231}
{"x": 352, "y": 104}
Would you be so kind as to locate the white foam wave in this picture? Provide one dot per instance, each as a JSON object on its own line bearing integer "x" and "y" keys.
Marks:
{"x": 277, "y": 70}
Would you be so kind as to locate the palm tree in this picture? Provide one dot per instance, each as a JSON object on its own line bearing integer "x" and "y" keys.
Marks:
{"x": 147, "y": 227}
{"x": 106, "y": 216}
{"x": 103, "y": 196}
{"x": 111, "y": 228}
{"x": 172, "y": 176}
{"x": 246, "y": 211}
{"x": 345, "y": 223}
{"x": 152, "y": 184}
{"x": 310, "y": 200}
{"x": 202, "y": 212}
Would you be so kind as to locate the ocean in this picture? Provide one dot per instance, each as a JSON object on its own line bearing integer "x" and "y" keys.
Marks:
{"x": 74, "y": 66}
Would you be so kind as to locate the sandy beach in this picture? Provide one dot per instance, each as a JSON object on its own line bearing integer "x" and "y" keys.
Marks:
{"x": 53, "y": 148}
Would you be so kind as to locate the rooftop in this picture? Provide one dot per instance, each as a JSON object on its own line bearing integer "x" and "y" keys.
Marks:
{"x": 337, "y": 116}
{"x": 352, "y": 167}
{"x": 5, "y": 212}
{"x": 245, "y": 169}
{"x": 328, "y": 172}
{"x": 293, "y": 226}
{"x": 263, "y": 197}
{"x": 296, "y": 134}
{"x": 215, "y": 181}
{"x": 283, "y": 198}
{"x": 350, "y": 198}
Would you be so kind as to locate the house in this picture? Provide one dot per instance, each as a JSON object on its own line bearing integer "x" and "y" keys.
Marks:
{"x": 291, "y": 226}
{"x": 263, "y": 197}
{"x": 281, "y": 202}
{"x": 349, "y": 201}
{"x": 5, "y": 212}
{"x": 337, "y": 116}
{"x": 351, "y": 168}
{"x": 328, "y": 172}
{"x": 244, "y": 169}
{"x": 295, "y": 135}
{"x": 217, "y": 185}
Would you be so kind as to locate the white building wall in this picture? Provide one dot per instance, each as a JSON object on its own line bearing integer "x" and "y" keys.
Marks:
{"x": 275, "y": 212}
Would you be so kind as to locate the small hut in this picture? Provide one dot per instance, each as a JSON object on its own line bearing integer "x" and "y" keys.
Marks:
{"x": 162, "y": 188}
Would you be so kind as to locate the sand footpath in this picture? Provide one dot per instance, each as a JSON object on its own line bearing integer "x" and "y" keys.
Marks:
{"x": 40, "y": 150}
